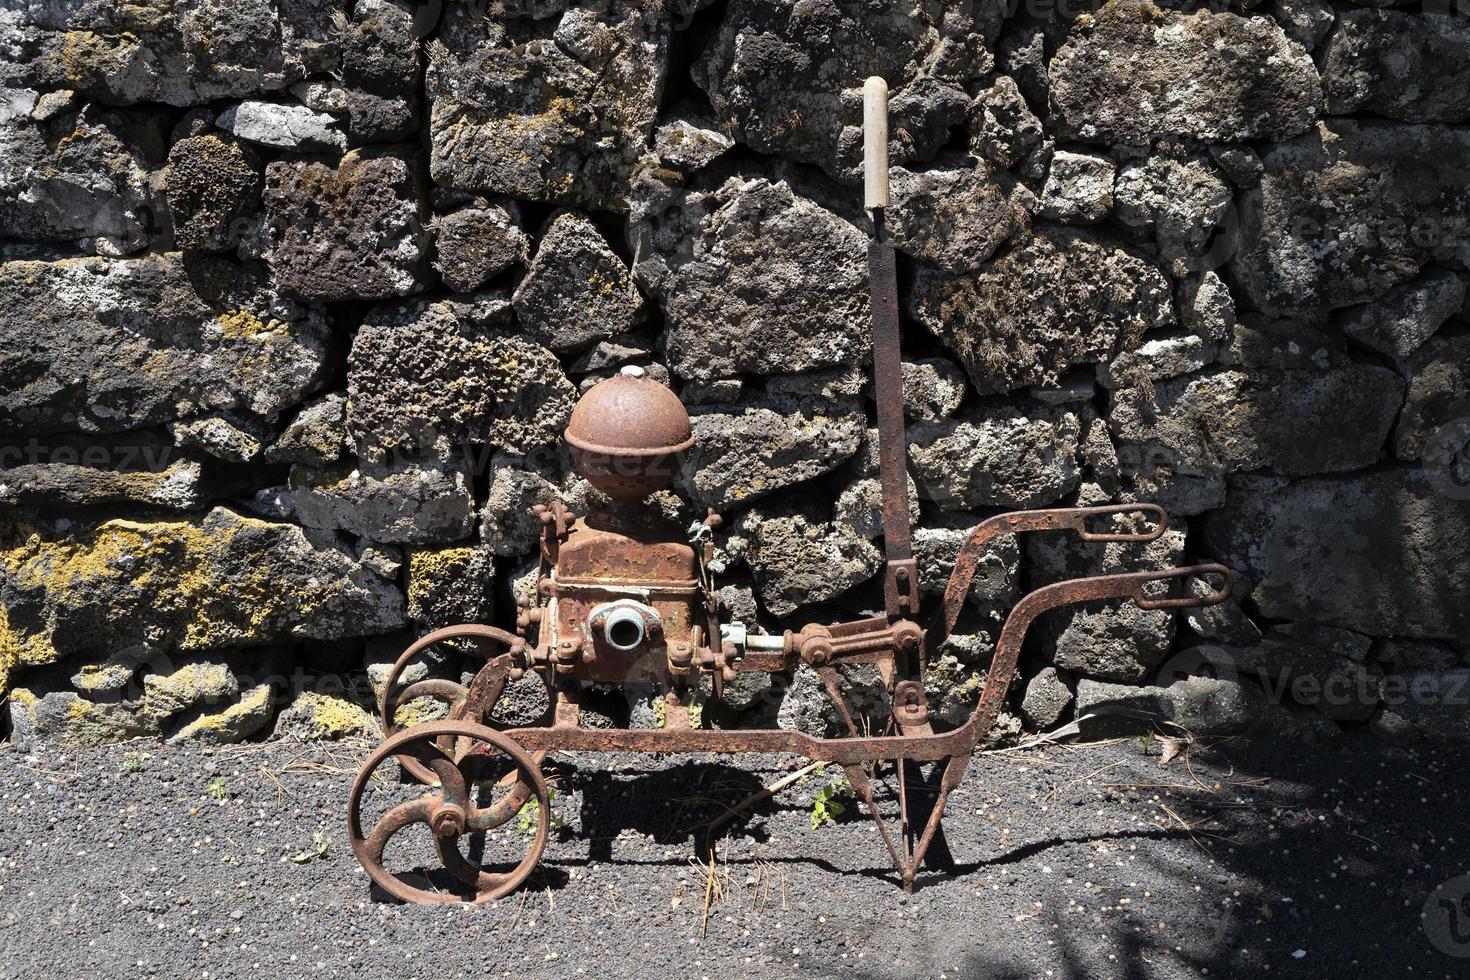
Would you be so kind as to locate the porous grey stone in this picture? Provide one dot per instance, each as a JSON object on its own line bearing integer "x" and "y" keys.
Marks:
{"x": 633, "y": 347}
{"x": 379, "y": 76}
{"x": 928, "y": 110}
{"x": 1347, "y": 212}
{"x": 1206, "y": 307}
{"x": 1148, "y": 474}
{"x": 83, "y": 178}
{"x": 933, "y": 388}
{"x": 1398, "y": 656}
{"x": 422, "y": 374}
{"x": 19, "y": 103}
{"x": 788, "y": 80}
{"x": 760, "y": 446}
{"x": 997, "y": 457}
{"x": 954, "y": 217}
{"x": 1435, "y": 703}
{"x": 1304, "y": 21}
{"x": 209, "y": 582}
{"x": 180, "y": 54}
{"x": 49, "y": 105}
{"x": 953, "y": 688}
{"x": 753, "y": 278}
{"x": 689, "y": 144}
{"x": 577, "y": 290}
{"x": 61, "y": 718}
{"x": 860, "y": 506}
{"x": 1239, "y": 163}
{"x": 103, "y": 345}
{"x": 237, "y": 441}
{"x": 1003, "y": 127}
{"x": 315, "y": 716}
{"x": 1046, "y": 699}
{"x": 1079, "y": 188}
{"x": 1201, "y": 706}
{"x": 345, "y": 232}
{"x": 213, "y": 188}
{"x": 800, "y": 556}
{"x": 384, "y": 559}
{"x": 1397, "y": 323}
{"x": 1076, "y": 387}
{"x": 1435, "y": 423}
{"x": 1333, "y": 639}
{"x": 283, "y": 126}
{"x": 244, "y": 719}
{"x": 1312, "y": 674}
{"x": 476, "y": 244}
{"x": 507, "y": 526}
{"x": 448, "y": 586}
{"x": 1383, "y": 553}
{"x": 1131, "y": 73}
{"x": 1179, "y": 202}
{"x": 403, "y": 502}
{"x": 369, "y": 117}
{"x": 1295, "y": 421}
{"x": 550, "y": 109}
{"x": 997, "y": 582}
{"x": 177, "y": 485}
{"x": 1409, "y": 66}
{"x": 190, "y": 685}
{"x": 1225, "y": 622}
{"x": 1022, "y": 55}
{"x": 1158, "y": 358}
{"x": 807, "y": 707}
{"x": 1112, "y": 641}
{"x": 1058, "y": 298}
{"x": 316, "y": 436}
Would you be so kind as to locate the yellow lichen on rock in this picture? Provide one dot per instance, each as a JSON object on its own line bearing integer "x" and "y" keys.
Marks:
{"x": 244, "y": 325}
{"x": 315, "y": 716}
{"x": 209, "y": 582}
{"x": 429, "y": 570}
{"x": 236, "y": 722}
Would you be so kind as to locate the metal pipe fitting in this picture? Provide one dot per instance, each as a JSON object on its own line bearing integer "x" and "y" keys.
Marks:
{"x": 623, "y": 629}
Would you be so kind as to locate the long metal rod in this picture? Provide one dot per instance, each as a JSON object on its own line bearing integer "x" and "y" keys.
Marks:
{"x": 901, "y": 578}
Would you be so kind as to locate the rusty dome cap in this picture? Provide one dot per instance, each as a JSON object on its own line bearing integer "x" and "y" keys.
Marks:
{"x": 629, "y": 414}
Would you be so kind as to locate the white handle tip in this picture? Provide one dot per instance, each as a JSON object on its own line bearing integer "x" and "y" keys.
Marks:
{"x": 875, "y": 143}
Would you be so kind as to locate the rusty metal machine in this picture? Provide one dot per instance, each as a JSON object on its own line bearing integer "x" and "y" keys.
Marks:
{"x": 625, "y": 596}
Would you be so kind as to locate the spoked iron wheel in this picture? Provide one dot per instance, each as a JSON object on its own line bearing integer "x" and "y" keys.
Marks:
{"x": 478, "y": 787}
{"x": 474, "y": 703}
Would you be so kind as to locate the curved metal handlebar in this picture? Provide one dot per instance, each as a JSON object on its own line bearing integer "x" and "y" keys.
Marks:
{"x": 1076, "y": 519}
{"x": 1128, "y": 585}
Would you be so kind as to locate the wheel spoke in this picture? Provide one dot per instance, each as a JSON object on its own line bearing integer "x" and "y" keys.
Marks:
{"x": 390, "y": 823}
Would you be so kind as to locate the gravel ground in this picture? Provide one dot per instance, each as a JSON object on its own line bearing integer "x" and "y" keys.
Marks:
{"x": 1301, "y": 860}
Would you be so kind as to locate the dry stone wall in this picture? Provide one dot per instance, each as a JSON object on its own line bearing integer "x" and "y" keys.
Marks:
{"x": 296, "y": 296}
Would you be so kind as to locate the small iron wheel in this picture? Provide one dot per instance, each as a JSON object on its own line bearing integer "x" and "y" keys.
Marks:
{"x": 479, "y": 785}
{"x": 473, "y": 703}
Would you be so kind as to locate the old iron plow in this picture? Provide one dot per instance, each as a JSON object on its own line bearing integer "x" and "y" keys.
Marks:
{"x": 626, "y": 597}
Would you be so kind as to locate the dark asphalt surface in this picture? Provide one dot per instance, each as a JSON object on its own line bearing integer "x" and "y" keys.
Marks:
{"x": 1300, "y": 860}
